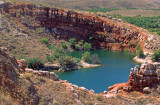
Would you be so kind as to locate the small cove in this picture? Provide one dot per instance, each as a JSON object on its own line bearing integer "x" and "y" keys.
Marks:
{"x": 115, "y": 69}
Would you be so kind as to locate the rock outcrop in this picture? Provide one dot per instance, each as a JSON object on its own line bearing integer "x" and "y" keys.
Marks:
{"x": 147, "y": 75}
{"x": 140, "y": 79}
{"x": 47, "y": 74}
{"x": 8, "y": 67}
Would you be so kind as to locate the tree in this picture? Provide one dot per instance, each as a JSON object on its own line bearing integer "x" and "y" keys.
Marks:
{"x": 86, "y": 57}
{"x": 95, "y": 59}
{"x": 87, "y": 46}
{"x": 92, "y": 59}
{"x": 72, "y": 42}
{"x": 156, "y": 55}
{"x": 67, "y": 63}
{"x": 140, "y": 53}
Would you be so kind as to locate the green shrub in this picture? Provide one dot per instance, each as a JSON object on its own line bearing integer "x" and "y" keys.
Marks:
{"x": 67, "y": 63}
{"x": 72, "y": 42}
{"x": 140, "y": 53}
{"x": 35, "y": 63}
{"x": 58, "y": 50}
{"x": 90, "y": 37}
{"x": 51, "y": 47}
{"x": 92, "y": 59}
{"x": 87, "y": 46}
{"x": 51, "y": 58}
{"x": 90, "y": 23}
{"x": 63, "y": 45}
{"x": 80, "y": 42}
{"x": 43, "y": 40}
{"x": 147, "y": 41}
{"x": 156, "y": 55}
{"x": 138, "y": 47}
{"x": 40, "y": 4}
{"x": 86, "y": 57}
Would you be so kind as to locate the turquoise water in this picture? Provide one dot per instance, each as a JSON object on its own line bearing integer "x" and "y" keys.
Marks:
{"x": 115, "y": 69}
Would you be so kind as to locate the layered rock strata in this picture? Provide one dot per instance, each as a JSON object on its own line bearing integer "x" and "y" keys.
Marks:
{"x": 105, "y": 32}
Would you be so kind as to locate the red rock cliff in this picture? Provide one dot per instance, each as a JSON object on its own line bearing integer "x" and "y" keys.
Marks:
{"x": 106, "y": 33}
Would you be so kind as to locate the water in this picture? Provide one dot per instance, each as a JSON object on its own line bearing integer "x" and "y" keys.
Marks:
{"x": 115, "y": 69}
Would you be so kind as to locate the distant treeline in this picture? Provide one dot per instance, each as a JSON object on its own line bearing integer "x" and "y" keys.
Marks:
{"x": 150, "y": 23}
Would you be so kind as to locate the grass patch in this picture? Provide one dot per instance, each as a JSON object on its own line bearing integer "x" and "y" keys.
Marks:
{"x": 43, "y": 40}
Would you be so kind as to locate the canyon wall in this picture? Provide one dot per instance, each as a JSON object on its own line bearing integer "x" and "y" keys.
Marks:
{"x": 101, "y": 32}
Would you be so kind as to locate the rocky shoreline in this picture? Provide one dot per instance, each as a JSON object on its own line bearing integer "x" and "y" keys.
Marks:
{"x": 144, "y": 78}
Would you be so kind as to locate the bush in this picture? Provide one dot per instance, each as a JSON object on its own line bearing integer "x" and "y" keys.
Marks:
{"x": 156, "y": 55}
{"x": 80, "y": 42}
{"x": 87, "y": 46}
{"x": 63, "y": 45}
{"x": 86, "y": 57}
{"x": 140, "y": 53}
{"x": 58, "y": 50}
{"x": 51, "y": 58}
{"x": 43, "y": 40}
{"x": 77, "y": 47}
{"x": 95, "y": 59}
{"x": 51, "y": 47}
{"x": 35, "y": 63}
{"x": 72, "y": 42}
{"x": 90, "y": 37}
{"x": 92, "y": 59}
{"x": 67, "y": 63}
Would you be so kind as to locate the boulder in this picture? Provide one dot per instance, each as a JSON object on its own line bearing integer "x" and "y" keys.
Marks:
{"x": 146, "y": 90}
{"x": 105, "y": 92}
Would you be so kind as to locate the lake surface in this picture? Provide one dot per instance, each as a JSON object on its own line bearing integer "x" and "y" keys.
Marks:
{"x": 115, "y": 69}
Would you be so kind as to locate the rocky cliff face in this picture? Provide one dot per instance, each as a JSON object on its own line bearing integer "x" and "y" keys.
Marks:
{"x": 105, "y": 33}
{"x": 148, "y": 75}
{"x": 9, "y": 70}
{"x": 10, "y": 83}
